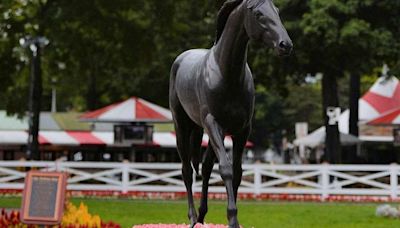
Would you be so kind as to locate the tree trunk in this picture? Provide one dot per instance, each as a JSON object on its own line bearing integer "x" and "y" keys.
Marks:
{"x": 354, "y": 97}
{"x": 353, "y": 119}
{"x": 330, "y": 99}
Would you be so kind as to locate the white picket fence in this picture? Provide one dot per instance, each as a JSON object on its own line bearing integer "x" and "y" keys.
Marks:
{"x": 323, "y": 180}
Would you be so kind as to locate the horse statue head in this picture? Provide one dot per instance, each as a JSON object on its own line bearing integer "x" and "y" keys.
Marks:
{"x": 263, "y": 24}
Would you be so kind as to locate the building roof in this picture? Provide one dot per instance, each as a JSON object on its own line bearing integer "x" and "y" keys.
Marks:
{"x": 69, "y": 121}
{"x": 133, "y": 109}
{"x": 12, "y": 122}
{"x": 48, "y": 121}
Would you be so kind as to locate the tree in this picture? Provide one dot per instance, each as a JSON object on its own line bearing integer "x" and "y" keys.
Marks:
{"x": 337, "y": 38}
{"x": 100, "y": 51}
{"x": 105, "y": 51}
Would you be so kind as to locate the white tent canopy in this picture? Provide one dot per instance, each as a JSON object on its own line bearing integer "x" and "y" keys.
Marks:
{"x": 317, "y": 137}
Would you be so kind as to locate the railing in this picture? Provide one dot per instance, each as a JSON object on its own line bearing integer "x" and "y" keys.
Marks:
{"x": 323, "y": 180}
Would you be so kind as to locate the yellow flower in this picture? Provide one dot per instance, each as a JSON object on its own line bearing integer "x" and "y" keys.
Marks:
{"x": 80, "y": 216}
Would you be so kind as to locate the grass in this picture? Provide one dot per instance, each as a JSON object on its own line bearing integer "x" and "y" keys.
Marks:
{"x": 251, "y": 214}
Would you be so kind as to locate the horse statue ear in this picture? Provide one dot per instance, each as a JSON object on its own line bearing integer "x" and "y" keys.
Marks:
{"x": 251, "y": 4}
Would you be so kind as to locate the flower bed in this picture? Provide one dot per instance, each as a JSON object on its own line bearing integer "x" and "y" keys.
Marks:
{"x": 11, "y": 219}
{"x": 79, "y": 217}
{"x": 74, "y": 217}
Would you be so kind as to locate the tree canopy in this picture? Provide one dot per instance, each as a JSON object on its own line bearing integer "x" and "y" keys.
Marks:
{"x": 104, "y": 51}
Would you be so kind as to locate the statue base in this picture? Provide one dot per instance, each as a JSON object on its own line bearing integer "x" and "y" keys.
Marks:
{"x": 198, "y": 225}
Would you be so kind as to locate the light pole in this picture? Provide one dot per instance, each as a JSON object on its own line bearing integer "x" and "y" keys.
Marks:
{"x": 53, "y": 95}
{"x": 35, "y": 44}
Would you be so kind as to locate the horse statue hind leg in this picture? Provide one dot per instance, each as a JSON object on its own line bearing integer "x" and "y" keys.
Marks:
{"x": 214, "y": 90}
{"x": 189, "y": 137}
{"x": 206, "y": 170}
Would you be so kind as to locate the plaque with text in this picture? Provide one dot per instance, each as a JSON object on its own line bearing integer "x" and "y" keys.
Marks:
{"x": 43, "y": 198}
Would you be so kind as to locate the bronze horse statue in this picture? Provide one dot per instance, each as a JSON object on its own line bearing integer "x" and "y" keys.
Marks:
{"x": 214, "y": 90}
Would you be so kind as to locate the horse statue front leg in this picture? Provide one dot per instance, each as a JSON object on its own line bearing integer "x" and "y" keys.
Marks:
{"x": 239, "y": 142}
{"x": 216, "y": 135}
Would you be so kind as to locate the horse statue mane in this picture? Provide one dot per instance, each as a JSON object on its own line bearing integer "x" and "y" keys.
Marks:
{"x": 224, "y": 14}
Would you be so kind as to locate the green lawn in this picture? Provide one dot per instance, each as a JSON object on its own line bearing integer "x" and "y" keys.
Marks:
{"x": 251, "y": 214}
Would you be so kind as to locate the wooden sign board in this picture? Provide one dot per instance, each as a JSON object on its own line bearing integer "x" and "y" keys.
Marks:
{"x": 43, "y": 198}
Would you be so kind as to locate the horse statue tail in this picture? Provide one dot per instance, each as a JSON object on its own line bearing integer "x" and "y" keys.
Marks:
{"x": 196, "y": 158}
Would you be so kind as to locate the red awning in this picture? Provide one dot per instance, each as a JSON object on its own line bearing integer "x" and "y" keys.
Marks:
{"x": 85, "y": 138}
{"x": 77, "y": 138}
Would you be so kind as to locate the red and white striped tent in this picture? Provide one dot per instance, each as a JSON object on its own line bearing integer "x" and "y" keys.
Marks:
{"x": 382, "y": 97}
{"x": 95, "y": 138}
{"x": 133, "y": 109}
{"x": 390, "y": 118}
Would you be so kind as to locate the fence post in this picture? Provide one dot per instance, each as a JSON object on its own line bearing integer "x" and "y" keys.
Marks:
{"x": 393, "y": 181}
{"x": 125, "y": 176}
{"x": 257, "y": 180}
{"x": 325, "y": 181}
{"x": 60, "y": 166}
